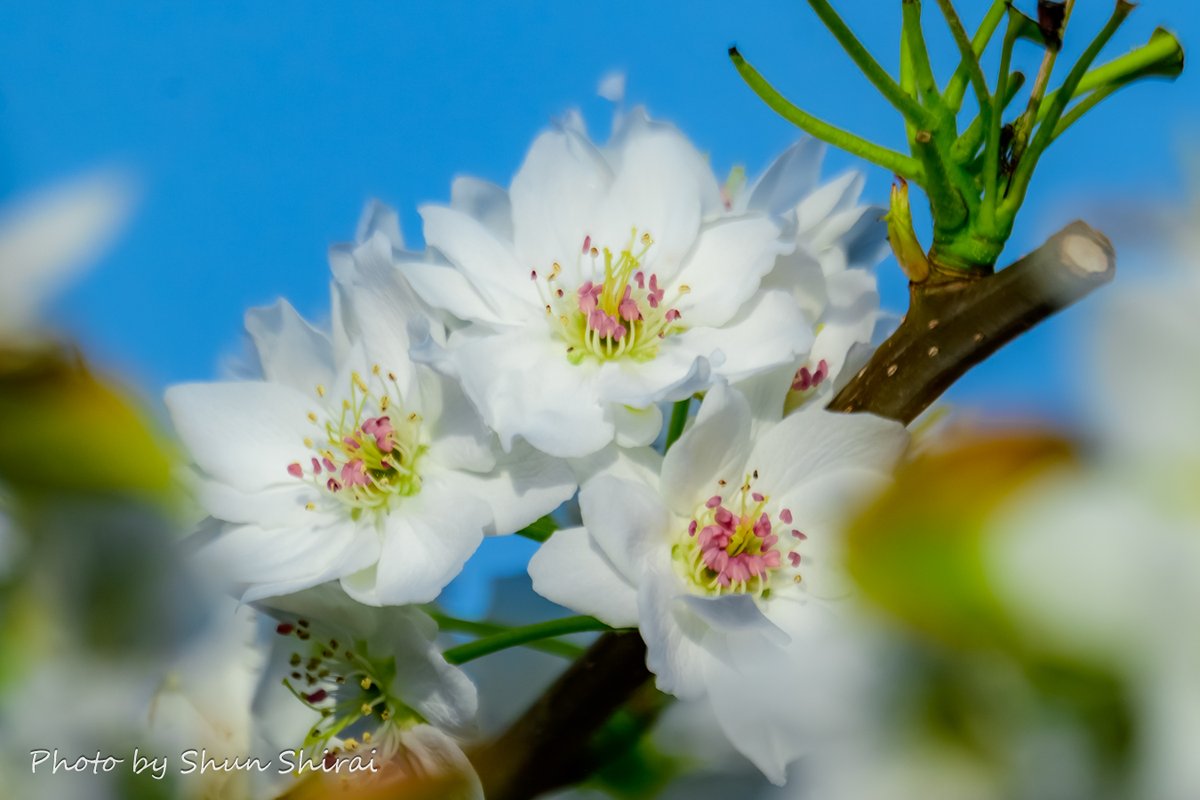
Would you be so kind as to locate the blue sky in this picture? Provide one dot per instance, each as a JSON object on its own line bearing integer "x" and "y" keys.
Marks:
{"x": 257, "y": 130}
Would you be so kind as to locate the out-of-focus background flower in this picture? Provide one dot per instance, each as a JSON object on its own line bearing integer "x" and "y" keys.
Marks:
{"x": 1036, "y": 625}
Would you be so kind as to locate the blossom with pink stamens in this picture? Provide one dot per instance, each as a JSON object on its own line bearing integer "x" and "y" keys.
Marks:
{"x": 317, "y": 471}
{"x": 695, "y": 556}
{"x": 635, "y": 230}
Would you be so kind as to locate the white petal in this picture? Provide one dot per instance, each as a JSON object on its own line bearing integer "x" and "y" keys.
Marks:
{"x": 736, "y": 614}
{"x": 440, "y": 692}
{"x": 715, "y": 447}
{"x": 663, "y": 186}
{"x": 425, "y": 545}
{"x": 459, "y": 437}
{"x": 572, "y": 570}
{"x": 378, "y": 217}
{"x": 290, "y": 350}
{"x": 766, "y": 392}
{"x": 756, "y": 711}
{"x": 486, "y": 202}
{"x": 674, "y": 374}
{"x": 723, "y": 271}
{"x": 837, "y": 196}
{"x": 444, "y": 287}
{"x": 672, "y": 654}
{"x": 557, "y": 411}
{"x": 49, "y": 236}
{"x": 524, "y": 486}
{"x": 244, "y": 433}
{"x": 799, "y": 274}
{"x": 788, "y": 179}
{"x": 1150, "y": 330}
{"x": 277, "y": 561}
{"x": 641, "y": 464}
{"x": 769, "y": 331}
{"x": 853, "y": 288}
{"x": 612, "y": 86}
{"x": 555, "y": 199}
{"x": 381, "y": 306}
{"x": 628, "y": 521}
{"x": 821, "y": 507}
{"x": 814, "y": 441}
{"x": 280, "y": 506}
{"x": 431, "y": 753}
{"x": 487, "y": 263}
{"x": 636, "y": 427}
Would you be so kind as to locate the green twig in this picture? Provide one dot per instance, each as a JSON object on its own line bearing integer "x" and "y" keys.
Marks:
{"x": 1045, "y": 132}
{"x": 522, "y": 636}
{"x": 451, "y": 624}
{"x": 968, "y": 144}
{"x": 1024, "y": 125}
{"x": 957, "y": 86}
{"x": 1162, "y": 56}
{"x": 991, "y": 153}
{"x": 1083, "y": 106}
{"x": 876, "y": 74}
{"x": 918, "y": 54}
{"x": 969, "y": 59}
{"x": 888, "y": 159}
{"x": 949, "y": 207}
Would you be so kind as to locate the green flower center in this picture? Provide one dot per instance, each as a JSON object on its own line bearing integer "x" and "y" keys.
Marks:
{"x": 350, "y": 690}
{"x": 367, "y": 452}
{"x": 623, "y": 315}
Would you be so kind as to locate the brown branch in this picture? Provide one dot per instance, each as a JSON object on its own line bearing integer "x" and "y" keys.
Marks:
{"x": 953, "y": 323}
{"x": 548, "y": 746}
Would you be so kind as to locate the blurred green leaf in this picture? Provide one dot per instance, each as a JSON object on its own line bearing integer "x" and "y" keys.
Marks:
{"x": 64, "y": 429}
{"x": 917, "y": 551}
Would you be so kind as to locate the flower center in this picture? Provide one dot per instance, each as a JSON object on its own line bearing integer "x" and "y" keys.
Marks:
{"x": 735, "y": 545}
{"x": 624, "y": 315}
{"x": 349, "y": 689}
{"x": 367, "y": 451}
{"x": 805, "y": 384}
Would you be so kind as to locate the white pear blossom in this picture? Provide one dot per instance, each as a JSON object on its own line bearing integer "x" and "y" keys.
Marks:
{"x": 205, "y": 702}
{"x": 347, "y": 460}
{"x": 838, "y": 242}
{"x": 366, "y": 683}
{"x": 605, "y": 280}
{"x": 728, "y": 560}
{"x": 46, "y": 238}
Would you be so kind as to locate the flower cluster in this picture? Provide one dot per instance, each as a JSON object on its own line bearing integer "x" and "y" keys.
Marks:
{"x": 528, "y": 353}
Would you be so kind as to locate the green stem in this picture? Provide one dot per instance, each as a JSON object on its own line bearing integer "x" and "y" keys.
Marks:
{"x": 475, "y": 628}
{"x": 522, "y": 636}
{"x": 970, "y": 60}
{"x": 1025, "y": 124}
{"x": 876, "y": 74}
{"x": 679, "y": 417}
{"x": 908, "y": 83}
{"x": 890, "y": 160}
{"x": 918, "y": 53}
{"x": 991, "y": 154}
{"x": 1083, "y": 106}
{"x": 1045, "y": 131}
{"x": 957, "y": 86}
{"x": 946, "y": 202}
{"x": 967, "y": 145}
{"x": 539, "y": 530}
{"x": 1161, "y": 56}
